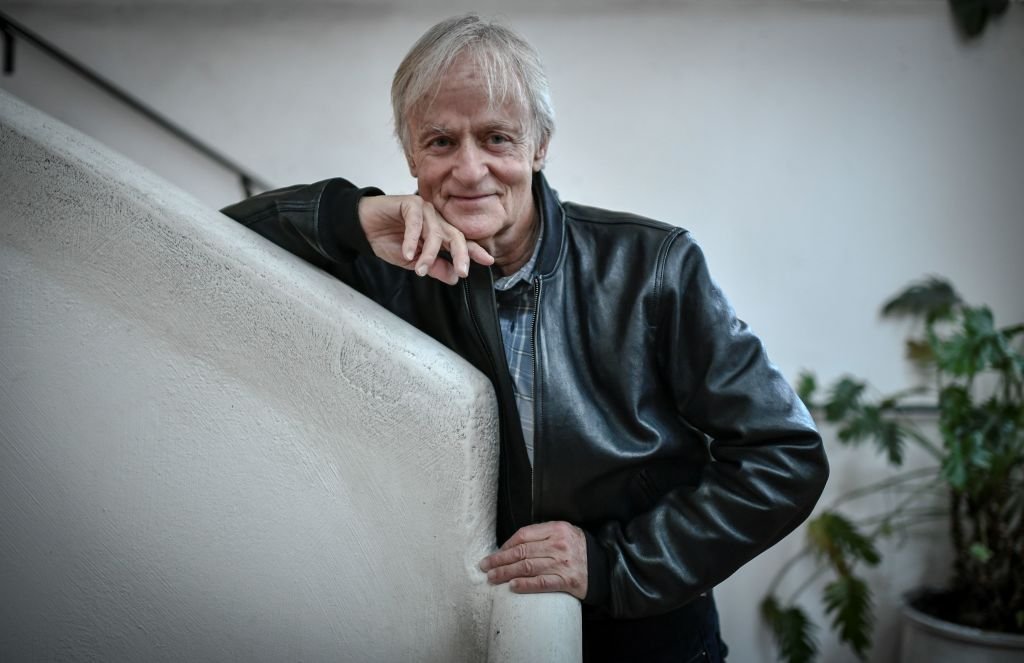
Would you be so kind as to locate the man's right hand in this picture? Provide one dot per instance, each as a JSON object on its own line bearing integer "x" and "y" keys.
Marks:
{"x": 408, "y": 232}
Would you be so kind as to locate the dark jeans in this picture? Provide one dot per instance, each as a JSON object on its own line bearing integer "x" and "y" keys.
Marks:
{"x": 688, "y": 634}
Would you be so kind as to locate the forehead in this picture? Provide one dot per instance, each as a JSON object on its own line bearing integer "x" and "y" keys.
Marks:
{"x": 464, "y": 95}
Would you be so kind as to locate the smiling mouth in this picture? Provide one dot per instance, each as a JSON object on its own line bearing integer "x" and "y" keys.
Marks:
{"x": 471, "y": 199}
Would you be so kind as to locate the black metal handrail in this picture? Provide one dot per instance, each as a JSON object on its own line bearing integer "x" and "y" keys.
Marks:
{"x": 11, "y": 28}
{"x": 908, "y": 410}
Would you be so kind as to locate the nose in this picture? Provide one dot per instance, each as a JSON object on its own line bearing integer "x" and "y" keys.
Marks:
{"x": 470, "y": 164}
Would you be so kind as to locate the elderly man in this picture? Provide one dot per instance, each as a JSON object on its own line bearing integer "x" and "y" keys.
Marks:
{"x": 648, "y": 446}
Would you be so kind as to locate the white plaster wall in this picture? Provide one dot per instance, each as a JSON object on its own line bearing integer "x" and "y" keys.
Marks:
{"x": 824, "y": 152}
{"x": 212, "y": 451}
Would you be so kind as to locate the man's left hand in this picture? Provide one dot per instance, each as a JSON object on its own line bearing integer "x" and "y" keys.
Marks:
{"x": 547, "y": 557}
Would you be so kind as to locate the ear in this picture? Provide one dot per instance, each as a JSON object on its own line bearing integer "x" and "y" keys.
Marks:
{"x": 540, "y": 155}
{"x": 412, "y": 164}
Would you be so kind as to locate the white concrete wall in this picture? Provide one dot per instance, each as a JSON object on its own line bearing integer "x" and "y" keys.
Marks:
{"x": 210, "y": 450}
{"x": 824, "y": 152}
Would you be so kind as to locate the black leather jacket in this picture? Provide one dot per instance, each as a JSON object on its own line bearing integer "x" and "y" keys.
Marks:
{"x": 661, "y": 428}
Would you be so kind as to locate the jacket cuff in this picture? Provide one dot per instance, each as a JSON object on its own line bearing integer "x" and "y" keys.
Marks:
{"x": 338, "y": 216}
{"x": 598, "y": 583}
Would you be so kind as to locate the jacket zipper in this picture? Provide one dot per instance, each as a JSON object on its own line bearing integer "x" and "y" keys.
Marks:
{"x": 495, "y": 368}
{"x": 536, "y": 400}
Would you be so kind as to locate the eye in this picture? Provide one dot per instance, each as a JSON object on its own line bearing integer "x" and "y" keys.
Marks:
{"x": 498, "y": 139}
{"x": 440, "y": 141}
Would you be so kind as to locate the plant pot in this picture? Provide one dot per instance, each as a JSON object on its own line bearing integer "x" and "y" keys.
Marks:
{"x": 928, "y": 639}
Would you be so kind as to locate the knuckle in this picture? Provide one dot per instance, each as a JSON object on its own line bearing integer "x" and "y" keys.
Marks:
{"x": 528, "y": 567}
{"x": 520, "y": 552}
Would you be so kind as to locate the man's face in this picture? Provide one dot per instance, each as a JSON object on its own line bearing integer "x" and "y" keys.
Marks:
{"x": 475, "y": 164}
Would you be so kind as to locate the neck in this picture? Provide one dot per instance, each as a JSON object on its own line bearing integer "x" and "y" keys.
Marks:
{"x": 512, "y": 254}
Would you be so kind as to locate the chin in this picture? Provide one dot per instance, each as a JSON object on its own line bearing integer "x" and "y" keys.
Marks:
{"x": 477, "y": 228}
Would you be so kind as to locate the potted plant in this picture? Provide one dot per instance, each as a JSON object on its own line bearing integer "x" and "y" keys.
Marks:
{"x": 975, "y": 373}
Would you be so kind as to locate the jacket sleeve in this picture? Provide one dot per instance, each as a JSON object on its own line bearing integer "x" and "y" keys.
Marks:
{"x": 767, "y": 466}
{"x": 318, "y": 222}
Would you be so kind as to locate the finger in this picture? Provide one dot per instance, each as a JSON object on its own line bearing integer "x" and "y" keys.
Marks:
{"x": 540, "y": 584}
{"x": 432, "y": 239}
{"x": 479, "y": 254}
{"x": 459, "y": 251}
{"x": 442, "y": 270}
{"x": 527, "y": 568}
{"x": 514, "y": 554}
{"x": 428, "y": 262}
{"x": 537, "y": 532}
{"x": 413, "y": 217}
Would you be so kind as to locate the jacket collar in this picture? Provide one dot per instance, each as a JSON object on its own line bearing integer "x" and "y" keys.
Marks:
{"x": 552, "y": 225}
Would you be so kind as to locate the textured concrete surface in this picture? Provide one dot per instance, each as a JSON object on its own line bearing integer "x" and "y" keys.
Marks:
{"x": 210, "y": 450}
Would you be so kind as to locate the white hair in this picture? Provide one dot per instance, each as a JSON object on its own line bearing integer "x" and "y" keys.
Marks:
{"x": 510, "y": 67}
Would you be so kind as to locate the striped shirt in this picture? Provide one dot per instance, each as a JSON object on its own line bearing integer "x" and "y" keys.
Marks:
{"x": 514, "y": 295}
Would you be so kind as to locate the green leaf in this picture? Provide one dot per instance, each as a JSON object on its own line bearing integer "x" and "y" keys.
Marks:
{"x": 980, "y": 552}
{"x": 958, "y": 421}
{"x": 836, "y": 538}
{"x": 792, "y": 631}
{"x": 931, "y": 299}
{"x": 848, "y": 601}
{"x": 891, "y": 439}
{"x": 954, "y": 466}
{"x": 954, "y": 355}
{"x": 976, "y": 347}
{"x": 870, "y": 424}
{"x": 955, "y": 406}
{"x": 968, "y": 455}
{"x": 844, "y": 398}
{"x": 806, "y": 385}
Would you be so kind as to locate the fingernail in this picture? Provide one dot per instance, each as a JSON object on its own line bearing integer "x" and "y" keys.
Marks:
{"x": 464, "y": 268}
{"x": 421, "y": 270}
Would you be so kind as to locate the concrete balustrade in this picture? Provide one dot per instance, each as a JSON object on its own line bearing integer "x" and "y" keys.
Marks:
{"x": 210, "y": 450}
